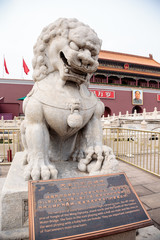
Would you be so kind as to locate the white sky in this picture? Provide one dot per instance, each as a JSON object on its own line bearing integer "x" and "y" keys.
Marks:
{"x": 126, "y": 26}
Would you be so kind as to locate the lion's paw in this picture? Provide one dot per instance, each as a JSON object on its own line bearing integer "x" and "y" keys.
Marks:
{"x": 43, "y": 172}
{"x": 99, "y": 160}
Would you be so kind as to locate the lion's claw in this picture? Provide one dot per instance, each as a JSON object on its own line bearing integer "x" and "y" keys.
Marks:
{"x": 82, "y": 166}
{"x": 104, "y": 162}
{"x": 43, "y": 171}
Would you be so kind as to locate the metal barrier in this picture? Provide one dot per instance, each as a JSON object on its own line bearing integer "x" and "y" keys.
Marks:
{"x": 10, "y": 143}
{"x": 137, "y": 147}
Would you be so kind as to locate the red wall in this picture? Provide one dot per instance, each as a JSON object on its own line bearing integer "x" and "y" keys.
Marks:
{"x": 13, "y": 108}
{"x": 123, "y": 101}
{"x": 12, "y": 92}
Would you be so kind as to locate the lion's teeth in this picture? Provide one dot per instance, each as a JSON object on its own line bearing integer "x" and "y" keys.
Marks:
{"x": 66, "y": 70}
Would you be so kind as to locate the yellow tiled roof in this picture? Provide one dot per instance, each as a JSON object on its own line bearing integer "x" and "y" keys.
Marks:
{"x": 129, "y": 71}
{"x": 128, "y": 58}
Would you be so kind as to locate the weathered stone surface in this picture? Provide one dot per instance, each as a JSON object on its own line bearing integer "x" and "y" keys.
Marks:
{"x": 14, "y": 192}
{"x": 15, "y": 234}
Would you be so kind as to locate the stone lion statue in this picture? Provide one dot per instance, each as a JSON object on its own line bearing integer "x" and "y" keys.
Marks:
{"x": 62, "y": 117}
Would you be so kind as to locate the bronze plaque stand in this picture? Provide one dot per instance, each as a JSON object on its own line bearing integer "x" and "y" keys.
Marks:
{"x": 84, "y": 208}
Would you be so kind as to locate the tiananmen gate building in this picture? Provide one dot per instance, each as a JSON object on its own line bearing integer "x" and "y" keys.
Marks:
{"x": 120, "y": 75}
{"x": 119, "y": 79}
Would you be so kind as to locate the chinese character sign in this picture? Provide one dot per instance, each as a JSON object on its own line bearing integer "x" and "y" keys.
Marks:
{"x": 158, "y": 97}
{"x": 104, "y": 94}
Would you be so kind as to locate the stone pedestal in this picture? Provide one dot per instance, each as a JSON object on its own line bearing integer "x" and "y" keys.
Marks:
{"x": 14, "y": 201}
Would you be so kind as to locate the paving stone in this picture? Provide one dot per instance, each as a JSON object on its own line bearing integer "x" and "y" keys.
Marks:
{"x": 141, "y": 180}
{"x": 142, "y": 191}
{"x": 132, "y": 173}
{"x": 155, "y": 215}
{"x": 146, "y": 207}
{"x": 152, "y": 201}
{"x": 148, "y": 233}
{"x": 154, "y": 187}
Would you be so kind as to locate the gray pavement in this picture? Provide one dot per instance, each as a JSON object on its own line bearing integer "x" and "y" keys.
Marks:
{"x": 147, "y": 187}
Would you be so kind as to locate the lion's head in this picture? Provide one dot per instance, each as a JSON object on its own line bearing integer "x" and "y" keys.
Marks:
{"x": 69, "y": 47}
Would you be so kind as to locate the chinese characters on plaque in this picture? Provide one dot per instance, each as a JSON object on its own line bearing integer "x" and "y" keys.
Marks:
{"x": 83, "y": 207}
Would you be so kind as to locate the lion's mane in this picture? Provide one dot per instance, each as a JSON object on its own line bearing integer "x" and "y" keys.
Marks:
{"x": 61, "y": 27}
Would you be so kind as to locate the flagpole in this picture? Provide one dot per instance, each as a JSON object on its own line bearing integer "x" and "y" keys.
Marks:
{"x": 22, "y": 76}
{"x": 3, "y": 65}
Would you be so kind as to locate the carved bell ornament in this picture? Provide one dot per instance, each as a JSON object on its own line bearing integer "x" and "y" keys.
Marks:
{"x": 75, "y": 120}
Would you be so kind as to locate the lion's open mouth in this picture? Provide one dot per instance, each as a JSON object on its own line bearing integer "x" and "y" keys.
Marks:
{"x": 72, "y": 71}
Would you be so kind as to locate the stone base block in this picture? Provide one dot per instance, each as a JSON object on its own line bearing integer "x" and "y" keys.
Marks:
{"x": 14, "y": 201}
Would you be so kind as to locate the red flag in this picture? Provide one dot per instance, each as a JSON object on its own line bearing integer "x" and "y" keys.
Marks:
{"x": 26, "y": 69}
{"x": 5, "y": 66}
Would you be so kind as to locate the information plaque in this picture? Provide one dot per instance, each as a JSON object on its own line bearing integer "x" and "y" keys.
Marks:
{"x": 84, "y": 208}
